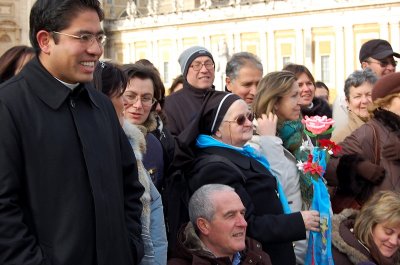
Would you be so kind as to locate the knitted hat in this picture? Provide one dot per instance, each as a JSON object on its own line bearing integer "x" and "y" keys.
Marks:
{"x": 188, "y": 56}
{"x": 377, "y": 49}
{"x": 388, "y": 84}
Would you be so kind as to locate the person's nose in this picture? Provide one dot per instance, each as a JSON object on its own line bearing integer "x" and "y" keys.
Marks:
{"x": 203, "y": 68}
{"x": 241, "y": 221}
{"x": 138, "y": 104}
{"x": 248, "y": 122}
{"x": 253, "y": 90}
{"x": 365, "y": 100}
{"x": 391, "y": 67}
{"x": 394, "y": 240}
{"x": 95, "y": 48}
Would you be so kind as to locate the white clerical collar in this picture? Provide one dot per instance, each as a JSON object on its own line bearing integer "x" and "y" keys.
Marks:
{"x": 71, "y": 86}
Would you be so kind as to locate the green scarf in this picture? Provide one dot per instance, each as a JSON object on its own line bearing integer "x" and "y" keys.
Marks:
{"x": 292, "y": 135}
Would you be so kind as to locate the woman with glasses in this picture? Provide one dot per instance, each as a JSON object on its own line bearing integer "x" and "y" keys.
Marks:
{"x": 140, "y": 109}
{"x": 370, "y": 156}
{"x": 111, "y": 80}
{"x": 221, "y": 131}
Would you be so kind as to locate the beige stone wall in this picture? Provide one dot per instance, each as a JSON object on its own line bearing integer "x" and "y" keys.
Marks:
{"x": 323, "y": 35}
{"x": 14, "y": 23}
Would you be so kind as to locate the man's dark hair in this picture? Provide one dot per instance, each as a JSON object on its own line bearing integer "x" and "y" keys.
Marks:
{"x": 56, "y": 15}
{"x": 143, "y": 72}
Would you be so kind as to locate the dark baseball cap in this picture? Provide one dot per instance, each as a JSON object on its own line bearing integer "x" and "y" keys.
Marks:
{"x": 377, "y": 49}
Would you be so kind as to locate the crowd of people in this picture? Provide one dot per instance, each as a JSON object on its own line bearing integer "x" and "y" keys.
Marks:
{"x": 99, "y": 166}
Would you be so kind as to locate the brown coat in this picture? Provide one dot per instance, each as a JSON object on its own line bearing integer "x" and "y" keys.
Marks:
{"x": 191, "y": 251}
{"x": 360, "y": 146}
{"x": 346, "y": 249}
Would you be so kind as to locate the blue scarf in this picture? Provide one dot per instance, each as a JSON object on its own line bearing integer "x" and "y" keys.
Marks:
{"x": 204, "y": 141}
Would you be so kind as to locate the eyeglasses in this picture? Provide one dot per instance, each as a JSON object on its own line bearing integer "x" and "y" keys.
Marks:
{"x": 87, "y": 38}
{"x": 384, "y": 63}
{"x": 132, "y": 98}
{"x": 241, "y": 119}
{"x": 197, "y": 65}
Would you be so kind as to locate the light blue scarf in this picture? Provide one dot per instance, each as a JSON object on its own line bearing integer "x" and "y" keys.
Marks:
{"x": 204, "y": 141}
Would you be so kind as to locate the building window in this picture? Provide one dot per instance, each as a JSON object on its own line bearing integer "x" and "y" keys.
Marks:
{"x": 285, "y": 60}
{"x": 166, "y": 73}
{"x": 325, "y": 69}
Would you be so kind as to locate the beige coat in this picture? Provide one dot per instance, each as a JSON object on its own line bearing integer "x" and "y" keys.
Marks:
{"x": 354, "y": 122}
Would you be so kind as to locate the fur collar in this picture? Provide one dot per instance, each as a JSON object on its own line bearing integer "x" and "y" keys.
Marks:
{"x": 136, "y": 139}
{"x": 389, "y": 119}
{"x": 342, "y": 244}
{"x": 150, "y": 124}
{"x": 193, "y": 243}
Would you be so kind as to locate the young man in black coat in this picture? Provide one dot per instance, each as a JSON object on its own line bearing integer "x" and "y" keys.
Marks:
{"x": 69, "y": 187}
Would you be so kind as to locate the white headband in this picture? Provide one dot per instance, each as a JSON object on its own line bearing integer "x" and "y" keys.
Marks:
{"x": 219, "y": 108}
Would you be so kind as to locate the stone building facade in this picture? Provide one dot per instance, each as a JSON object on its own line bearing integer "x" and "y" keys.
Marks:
{"x": 14, "y": 23}
{"x": 323, "y": 35}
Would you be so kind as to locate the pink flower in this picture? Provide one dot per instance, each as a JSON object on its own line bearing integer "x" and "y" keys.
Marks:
{"x": 317, "y": 124}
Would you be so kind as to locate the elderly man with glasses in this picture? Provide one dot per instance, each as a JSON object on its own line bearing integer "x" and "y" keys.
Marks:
{"x": 197, "y": 65}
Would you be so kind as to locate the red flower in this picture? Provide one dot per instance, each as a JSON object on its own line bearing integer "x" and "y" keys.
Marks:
{"x": 313, "y": 168}
{"x": 330, "y": 146}
{"x": 310, "y": 158}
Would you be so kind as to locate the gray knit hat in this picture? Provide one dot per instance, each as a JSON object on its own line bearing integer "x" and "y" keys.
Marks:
{"x": 188, "y": 56}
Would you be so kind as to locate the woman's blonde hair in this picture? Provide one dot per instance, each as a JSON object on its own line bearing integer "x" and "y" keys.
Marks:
{"x": 271, "y": 89}
{"x": 383, "y": 207}
{"x": 381, "y": 102}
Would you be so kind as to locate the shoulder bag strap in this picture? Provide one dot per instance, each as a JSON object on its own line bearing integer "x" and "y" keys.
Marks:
{"x": 377, "y": 148}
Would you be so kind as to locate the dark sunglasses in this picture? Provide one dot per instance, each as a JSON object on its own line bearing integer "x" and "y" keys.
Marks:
{"x": 384, "y": 63}
{"x": 241, "y": 119}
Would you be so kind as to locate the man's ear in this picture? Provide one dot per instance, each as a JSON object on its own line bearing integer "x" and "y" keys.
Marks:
{"x": 228, "y": 83}
{"x": 218, "y": 133}
{"x": 364, "y": 65}
{"x": 203, "y": 226}
{"x": 44, "y": 40}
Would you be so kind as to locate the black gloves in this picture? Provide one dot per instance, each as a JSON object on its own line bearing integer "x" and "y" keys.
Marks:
{"x": 391, "y": 151}
{"x": 371, "y": 172}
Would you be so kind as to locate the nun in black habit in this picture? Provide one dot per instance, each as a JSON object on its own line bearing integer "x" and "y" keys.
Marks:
{"x": 222, "y": 129}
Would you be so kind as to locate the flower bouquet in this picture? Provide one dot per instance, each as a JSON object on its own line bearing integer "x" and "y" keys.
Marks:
{"x": 313, "y": 186}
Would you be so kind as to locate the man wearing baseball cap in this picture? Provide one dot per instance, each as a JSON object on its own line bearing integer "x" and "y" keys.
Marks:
{"x": 197, "y": 66}
{"x": 378, "y": 55}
